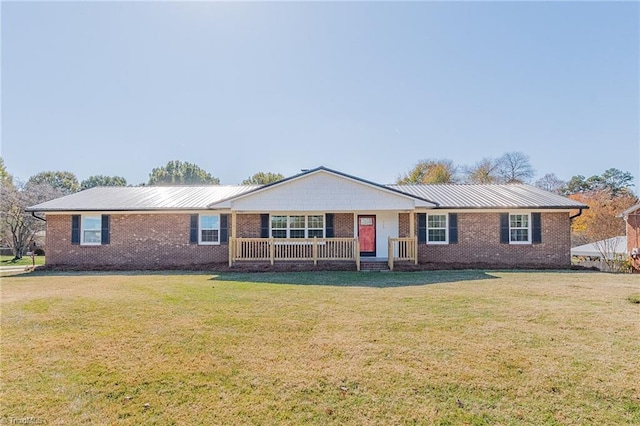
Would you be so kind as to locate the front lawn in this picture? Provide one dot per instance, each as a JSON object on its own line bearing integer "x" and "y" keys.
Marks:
{"x": 453, "y": 347}
{"x": 25, "y": 261}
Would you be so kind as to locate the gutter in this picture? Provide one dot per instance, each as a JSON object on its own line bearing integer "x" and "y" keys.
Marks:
{"x": 38, "y": 217}
{"x": 575, "y": 215}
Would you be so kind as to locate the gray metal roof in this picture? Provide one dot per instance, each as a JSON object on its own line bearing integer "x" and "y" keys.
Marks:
{"x": 143, "y": 198}
{"x": 454, "y": 196}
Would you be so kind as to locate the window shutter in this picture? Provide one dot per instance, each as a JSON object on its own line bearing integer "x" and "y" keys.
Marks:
{"x": 264, "y": 225}
{"x": 193, "y": 230}
{"x": 536, "y": 228}
{"x": 453, "y": 228}
{"x": 105, "y": 234}
{"x": 75, "y": 229}
{"x": 328, "y": 231}
{"x": 224, "y": 228}
{"x": 504, "y": 228}
{"x": 422, "y": 227}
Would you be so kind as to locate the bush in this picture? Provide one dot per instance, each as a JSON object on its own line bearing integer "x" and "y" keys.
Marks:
{"x": 39, "y": 252}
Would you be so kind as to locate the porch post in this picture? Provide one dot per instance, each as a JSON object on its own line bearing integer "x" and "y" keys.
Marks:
{"x": 412, "y": 224}
{"x": 233, "y": 224}
{"x": 272, "y": 250}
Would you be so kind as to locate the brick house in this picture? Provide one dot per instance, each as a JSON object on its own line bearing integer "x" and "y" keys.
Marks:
{"x": 631, "y": 218}
{"x": 318, "y": 217}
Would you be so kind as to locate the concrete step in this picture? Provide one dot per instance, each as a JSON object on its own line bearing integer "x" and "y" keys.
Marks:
{"x": 373, "y": 266}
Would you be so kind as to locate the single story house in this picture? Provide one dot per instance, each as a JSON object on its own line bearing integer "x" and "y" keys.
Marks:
{"x": 631, "y": 218}
{"x": 318, "y": 217}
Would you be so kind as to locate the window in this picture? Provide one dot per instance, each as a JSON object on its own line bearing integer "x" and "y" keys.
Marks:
{"x": 92, "y": 230}
{"x": 519, "y": 229}
{"x": 437, "y": 228}
{"x": 209, "y": 229}
{"x": 297, "y": 226}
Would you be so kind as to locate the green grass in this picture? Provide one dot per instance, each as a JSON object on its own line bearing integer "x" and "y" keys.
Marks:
{"x": 444, "y": 348}
{"x": 25, "y": 261}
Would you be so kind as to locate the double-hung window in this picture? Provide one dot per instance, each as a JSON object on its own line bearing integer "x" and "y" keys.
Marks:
{"x": 297, "y": 226}
{"x": 91, "y": 230}
{"x": 437, "y": 229}
{"x": 519, "y": 228}
{"x": 209, "y": 229}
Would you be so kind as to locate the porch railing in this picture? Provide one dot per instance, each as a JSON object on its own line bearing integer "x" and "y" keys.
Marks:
{"x": 296, "y": 249}
{"x": 403, "y": 249}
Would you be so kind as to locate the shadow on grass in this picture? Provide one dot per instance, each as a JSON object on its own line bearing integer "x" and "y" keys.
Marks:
{"x": 356, "y": 279}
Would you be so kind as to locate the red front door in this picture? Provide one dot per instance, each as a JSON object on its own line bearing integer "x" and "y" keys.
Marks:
{"x": 367, "y": 235}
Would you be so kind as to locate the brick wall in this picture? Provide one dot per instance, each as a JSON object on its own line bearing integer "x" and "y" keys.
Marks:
{"x": 479, "y": 244}
{"x": 137, "y": 240}
{"x": 343, "y": 225}
{"x": 248, "y": 226}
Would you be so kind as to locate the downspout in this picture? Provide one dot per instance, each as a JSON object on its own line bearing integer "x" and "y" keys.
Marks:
{"x": 38, "y": 217}
{"x": 575, "y": 215}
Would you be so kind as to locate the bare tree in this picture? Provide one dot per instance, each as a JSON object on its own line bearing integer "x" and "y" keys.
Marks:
{"x": 484, "y": 171}
{"x": 551, "y": 183}
{"x": 17, "y": 227}
{"x": 515, "y": 167}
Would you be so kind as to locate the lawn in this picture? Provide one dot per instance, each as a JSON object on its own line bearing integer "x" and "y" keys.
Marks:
{"x": 25, "y": 261}
{"x": 447, "y": 348}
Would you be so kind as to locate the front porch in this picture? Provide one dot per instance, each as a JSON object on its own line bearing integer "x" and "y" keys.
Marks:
{"x": 314, "y": 250}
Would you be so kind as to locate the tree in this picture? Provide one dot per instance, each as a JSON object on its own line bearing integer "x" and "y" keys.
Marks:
{"x": 67, "y": 182}
{"x": 18, "y": 227}
{"x": 5, "y": 177}
{"x": 181, "y": 173}
{"x": 601, "y": 222}
{"x": 429, "y": 172}
{"x": 551, "y": 183}
{"x": 262, "y": 178}
{"x": 100, "y": 180}
{"x": 484, "y": 171}
{"x": 613, "y": 181}
{"x": 515, "y": 167}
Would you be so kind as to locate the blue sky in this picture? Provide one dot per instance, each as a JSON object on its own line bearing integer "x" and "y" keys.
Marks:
{"x": 119, "y": 88}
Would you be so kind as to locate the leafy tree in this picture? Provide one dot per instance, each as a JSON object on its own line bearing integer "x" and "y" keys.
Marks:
{"x": 181, "y": 173}
{"x": 515, "y": 167}
{"x": 67, "y": 182}
{"x": 5, "y": 177}
{"x": 613, "y": 181}
{"x": 550, "y": 182}
{"x": 600, "y": 221}
{"x": 484, "y": 171}
{"x": 17, "y": 227}
{"x": 429, "y": 172}
{"x": 100, "y": 180}
{"x": 262, "y": 178}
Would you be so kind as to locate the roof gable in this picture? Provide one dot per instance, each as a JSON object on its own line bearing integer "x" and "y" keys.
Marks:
{"x": 323, "y": 189}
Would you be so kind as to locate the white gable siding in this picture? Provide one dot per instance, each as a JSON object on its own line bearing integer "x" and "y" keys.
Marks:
{"x": 322, "y": 192}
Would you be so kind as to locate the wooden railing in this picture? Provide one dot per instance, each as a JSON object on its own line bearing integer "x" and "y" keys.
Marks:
{"x": 300, "y": 249}
{"x": 403, "y": 249}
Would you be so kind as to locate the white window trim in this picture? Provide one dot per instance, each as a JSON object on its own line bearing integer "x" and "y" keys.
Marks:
{"x": 446, "y": 229}
{"x": 528, "y": 228}
{"x": 200, "y": 229}
{"x": 306, "y": 225}
{"x": 82, "y": 229}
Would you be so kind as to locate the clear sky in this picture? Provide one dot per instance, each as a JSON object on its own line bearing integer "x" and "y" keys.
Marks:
{"x": 366, "y": 88}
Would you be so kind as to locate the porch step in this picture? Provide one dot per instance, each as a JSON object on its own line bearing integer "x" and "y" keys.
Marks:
{"x": 377, "y": 266}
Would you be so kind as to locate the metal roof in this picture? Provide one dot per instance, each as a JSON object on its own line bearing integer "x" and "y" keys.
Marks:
{"x": 143, "y": 198}
{"x": 489, "y": 196}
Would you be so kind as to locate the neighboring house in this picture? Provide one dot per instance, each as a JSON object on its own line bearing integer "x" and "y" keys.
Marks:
{"x": 320, "y": 216}
{"x": 610, "y": 248}
{"x": 631, "y": 217}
